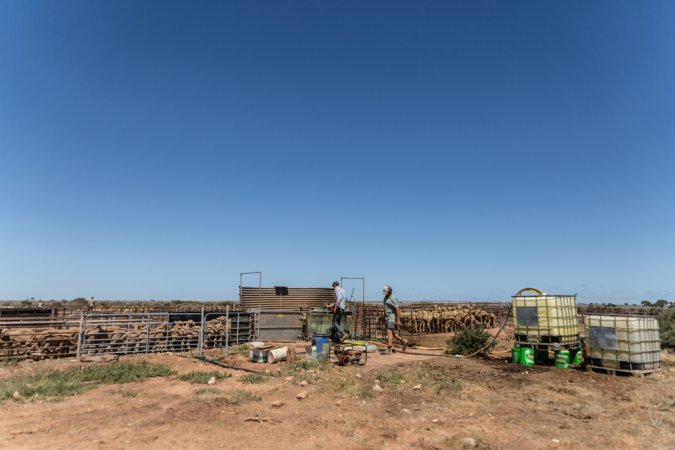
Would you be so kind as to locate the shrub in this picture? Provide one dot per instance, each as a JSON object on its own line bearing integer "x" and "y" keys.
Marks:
{"x": 667, "y": 328}
{"x": 469, "y": 341}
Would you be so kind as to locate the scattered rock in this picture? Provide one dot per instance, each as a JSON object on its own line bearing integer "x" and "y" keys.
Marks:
{"x": 16, "y": 394}
{"x": 303, "y": 383}
{"x": 417, "y": 387}
{"x": 212, "y": 381}
{"x": 555, "y": 441}
{"x": 303, "y": 395}
{"x": 289, "y": 378}
{"x": 407, "y": 411}
{"x": 377, "y": 388}
{"x": 434, "y": 421}
{"x": 377, "y": 381}
{"x": 358, "y": 375}
{"x": 277, "y": 404}
{"x": 338, "y": 403}
{"x": 469, "y": 442}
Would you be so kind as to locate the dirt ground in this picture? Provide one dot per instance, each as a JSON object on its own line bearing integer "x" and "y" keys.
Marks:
{"x": 491, "y": 407}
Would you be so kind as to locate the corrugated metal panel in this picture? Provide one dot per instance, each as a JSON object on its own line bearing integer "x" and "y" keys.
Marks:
{"x": 266, "y": 298}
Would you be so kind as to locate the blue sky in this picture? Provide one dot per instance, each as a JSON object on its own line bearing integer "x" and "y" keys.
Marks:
{"x": 455, "y": 150}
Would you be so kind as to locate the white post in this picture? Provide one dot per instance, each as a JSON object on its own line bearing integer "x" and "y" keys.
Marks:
{"x": 80, "y": 337}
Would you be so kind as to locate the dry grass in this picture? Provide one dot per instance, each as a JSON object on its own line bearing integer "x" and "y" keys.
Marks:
{"x": 57, "y": 384}
{"x": 425, "y": 379}
{"x": 201, "y": 377}
{"x": 230, "y": 398}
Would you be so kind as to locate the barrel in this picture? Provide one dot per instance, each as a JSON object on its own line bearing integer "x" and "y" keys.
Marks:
{"x": 527, "y": 356}
{"x": 515, "y": 355}
{"x": 321, "y": 344}
{"x": 562, "y": 359}
{"x": 277, "y": 354}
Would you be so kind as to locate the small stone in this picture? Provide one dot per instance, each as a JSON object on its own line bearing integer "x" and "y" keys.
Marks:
{"x": 555, "y": 441}
{"x": 406, "y": 411}
{"x": 469, "y": 442}
{"x": 358, "y": 375}
{"x": 16, "y": 394}
{"x": 289, "y": 378}
{"x": 417, "y": 387}
{"x": 303, "y": 395}
{"x": 277, "y": 404}
{"x": 338, "y": 403}
{"x": 434, "y": 420}
{"x": 212, "y": 381}
{"x": 377, "y": 388}
{"x": 377, "y": 381}
{"x": 303, "y": 383}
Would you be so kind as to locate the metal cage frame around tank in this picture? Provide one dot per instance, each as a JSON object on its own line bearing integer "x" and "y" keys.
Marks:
{"x": 528, "y": 328}
{"x": 604, "y": 339}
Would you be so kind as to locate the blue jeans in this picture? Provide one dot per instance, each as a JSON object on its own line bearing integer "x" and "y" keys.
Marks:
{"x": 337, "y": 331}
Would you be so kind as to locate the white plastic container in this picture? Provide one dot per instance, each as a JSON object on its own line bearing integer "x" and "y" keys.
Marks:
{"x": 623, "y": 342}
{"x": 546, "y": 319}
{"x": 277, "y": 354}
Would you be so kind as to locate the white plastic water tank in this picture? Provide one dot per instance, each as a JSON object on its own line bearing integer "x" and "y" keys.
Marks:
{"x": 623, "y": 342}
{"x": 546, "y": 319}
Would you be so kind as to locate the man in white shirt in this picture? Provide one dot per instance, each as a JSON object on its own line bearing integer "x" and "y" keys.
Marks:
{"x": 338, "y": 307}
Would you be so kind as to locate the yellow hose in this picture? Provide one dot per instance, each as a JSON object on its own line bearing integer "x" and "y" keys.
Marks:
{"x": 536, "y": 291}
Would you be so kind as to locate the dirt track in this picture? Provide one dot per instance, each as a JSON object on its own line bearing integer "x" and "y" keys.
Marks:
{"x": 556, "y": 408}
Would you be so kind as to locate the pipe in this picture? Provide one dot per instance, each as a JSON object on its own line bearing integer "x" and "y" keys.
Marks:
{"x": 226, "y": 366}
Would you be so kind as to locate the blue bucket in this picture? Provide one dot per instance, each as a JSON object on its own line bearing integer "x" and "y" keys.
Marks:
{"x": 321, "y": 344}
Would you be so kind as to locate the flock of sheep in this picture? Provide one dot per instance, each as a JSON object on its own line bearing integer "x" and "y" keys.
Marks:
{"x": 111, "y": 337}
{"x": 445, "y": 319}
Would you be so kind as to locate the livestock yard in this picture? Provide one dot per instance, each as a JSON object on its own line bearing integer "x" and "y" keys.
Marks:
{"x": 121, "y": 375}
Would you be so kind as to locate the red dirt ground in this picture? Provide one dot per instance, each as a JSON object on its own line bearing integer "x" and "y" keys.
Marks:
{"x": 557, "y": 408}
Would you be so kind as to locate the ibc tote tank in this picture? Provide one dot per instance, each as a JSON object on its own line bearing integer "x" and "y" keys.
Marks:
{"x": 545, "y": 319}
{"x": 623, "y": 342}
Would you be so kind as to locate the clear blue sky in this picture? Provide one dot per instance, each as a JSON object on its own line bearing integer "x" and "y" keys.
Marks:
{"x": 455, "y": 150}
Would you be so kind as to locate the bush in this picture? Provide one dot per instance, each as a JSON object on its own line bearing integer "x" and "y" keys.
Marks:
{"x": 667, "y": 328}
{"x": 469, "y": 341}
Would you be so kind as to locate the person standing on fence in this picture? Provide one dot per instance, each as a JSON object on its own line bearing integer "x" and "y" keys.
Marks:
{"x": 392, "y": 319}
{"x": 338, "y": 307}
